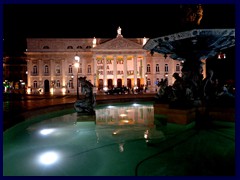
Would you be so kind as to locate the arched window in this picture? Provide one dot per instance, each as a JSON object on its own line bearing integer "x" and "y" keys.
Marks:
{"x": 157, "y": 68}
{"x": 177, "y": 67}
{"x": 148, "y": 68}
{"x": 35, "y": 84}
{"x": 70, "y": 69}
{"x": 89, "y": 69}
{"x": 46, "y": 69}
{"x": 166, "y": 67}
{"x": 58, "y": 71}
{"x": 58, "y": 84}
{"x": 45, "y": 47}
{"x": 69, "y": 47}
{"x": 79, "y": 47}
{"x": 35, "y": 69}
{"x": 148, "y": 81}
{"x": 70, "y": 83}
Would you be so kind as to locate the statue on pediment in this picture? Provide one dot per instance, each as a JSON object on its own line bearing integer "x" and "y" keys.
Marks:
{"x": 119, "y": 32}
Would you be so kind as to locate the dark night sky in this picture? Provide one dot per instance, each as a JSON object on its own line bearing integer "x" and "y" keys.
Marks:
{"x": 101, "y": 21}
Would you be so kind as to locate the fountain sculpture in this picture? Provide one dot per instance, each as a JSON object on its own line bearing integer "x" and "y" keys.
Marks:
{"x": 87, "y": 104}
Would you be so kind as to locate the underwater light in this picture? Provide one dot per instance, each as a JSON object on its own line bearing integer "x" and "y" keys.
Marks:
{"x": 48, "y": 158}
{"x": 46, "y": 131}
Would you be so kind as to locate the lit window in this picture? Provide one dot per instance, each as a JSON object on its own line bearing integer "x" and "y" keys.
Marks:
{"x": 46, "y": 69}
{"x": 70, "y": 69}
{"x": 58, "y": 69}
{"x": 148, "y": 68}
{"x": 58, "y": 83}
{"x": 70, "y": 84}
{"x": 148, "y": 82}
{"x": 35, "y": 70}
{"x": 177, "y": 67}
{"x": 157, "y": 68}
{"x": 166, "y": 67}
{"x": 34, "y": 84}
{"x": 89, "y": 69}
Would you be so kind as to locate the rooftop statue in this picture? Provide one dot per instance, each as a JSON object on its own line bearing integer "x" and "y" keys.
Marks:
{"x": 119, "y": 32}
{"x": 87, "y": 104}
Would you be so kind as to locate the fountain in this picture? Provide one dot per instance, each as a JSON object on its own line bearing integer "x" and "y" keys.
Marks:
{"x": 87, "y": 104}
{"x": 191, "y": 48}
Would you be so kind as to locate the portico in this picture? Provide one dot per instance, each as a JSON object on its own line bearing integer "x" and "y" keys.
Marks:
{"x": 106, "y": 63}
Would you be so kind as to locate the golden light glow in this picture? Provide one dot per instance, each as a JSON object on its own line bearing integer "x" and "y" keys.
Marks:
{"x": 76, "y": 65}
{"x": 64, "y": 91}
{"x": 122, "y": 115}
{"x": 51, "y": 90}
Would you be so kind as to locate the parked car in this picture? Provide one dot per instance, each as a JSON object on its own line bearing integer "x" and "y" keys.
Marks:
{"x": 117, "y": 90}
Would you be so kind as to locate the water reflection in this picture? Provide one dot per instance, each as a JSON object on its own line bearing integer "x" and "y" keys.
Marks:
{"x": 126, "y": 122}
{"x": 114, "y": 132}
{"x": 116, "y": 122}
{"x": 132, "y": 114}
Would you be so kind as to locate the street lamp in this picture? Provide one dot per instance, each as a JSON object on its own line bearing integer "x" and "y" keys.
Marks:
{"x": 146, "y": 81}
{"x": 95, "y": 76}
{"x": 77, "y": 59}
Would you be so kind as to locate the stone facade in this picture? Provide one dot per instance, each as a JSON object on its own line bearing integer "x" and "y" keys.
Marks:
{"x": 105, "y": 62}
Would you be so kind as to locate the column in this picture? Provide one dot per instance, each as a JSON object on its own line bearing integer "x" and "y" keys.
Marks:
{"x": 63, "y": 73}
{"x": 40, "y": 70}
{"x": 64, "y": 80}
{"x": 51, "y": 73}
{"x": 83, "y": 67}
{"x": 94, "y": 70}
{"x": 135, "y": 69}
{"x": 52, "y": 69}
{"x": 125, "y": 70}
{"x": 104, "y": 72}
{"x": 144, "y": 71}
{"x": 29, "y": 70}
{"x": 115, "y": 70}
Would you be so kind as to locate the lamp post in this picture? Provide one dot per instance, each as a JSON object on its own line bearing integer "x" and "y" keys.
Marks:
{"x": 77, "y": 59}
{"x": 146, "y": 82}
{"x": 95, "y": 76}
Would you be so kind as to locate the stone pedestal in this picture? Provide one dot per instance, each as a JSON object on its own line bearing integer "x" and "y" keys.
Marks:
{"x": 223, "y": 114}
{"x": 178, "y": 116}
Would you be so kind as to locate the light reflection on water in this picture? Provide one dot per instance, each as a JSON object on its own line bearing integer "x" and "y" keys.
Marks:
{"x": 112, "y": 127}
{"x": 124, "y": 122}
{"x": 133, "y": 114}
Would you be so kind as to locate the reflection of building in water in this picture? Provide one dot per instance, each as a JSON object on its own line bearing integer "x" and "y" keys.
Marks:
{"x": 105, "y": 62}
{"x": 123, "y": 123}
{"x": 126, "y": 122}
{"x": 126, "y": 115}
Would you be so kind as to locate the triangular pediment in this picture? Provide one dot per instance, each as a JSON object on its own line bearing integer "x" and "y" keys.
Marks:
{"x": 117, "y": 44}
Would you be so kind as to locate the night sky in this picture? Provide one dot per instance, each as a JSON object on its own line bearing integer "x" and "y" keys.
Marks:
{"x": 21, "y": 21}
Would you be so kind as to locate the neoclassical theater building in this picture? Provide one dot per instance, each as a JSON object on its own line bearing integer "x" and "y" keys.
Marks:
{"x": 106, "y": 63}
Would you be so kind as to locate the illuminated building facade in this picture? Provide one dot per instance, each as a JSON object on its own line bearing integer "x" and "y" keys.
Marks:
{"x": 106, "y": 63}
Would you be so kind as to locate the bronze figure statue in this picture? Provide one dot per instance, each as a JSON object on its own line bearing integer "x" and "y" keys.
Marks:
{"x": 87, "y": 104}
